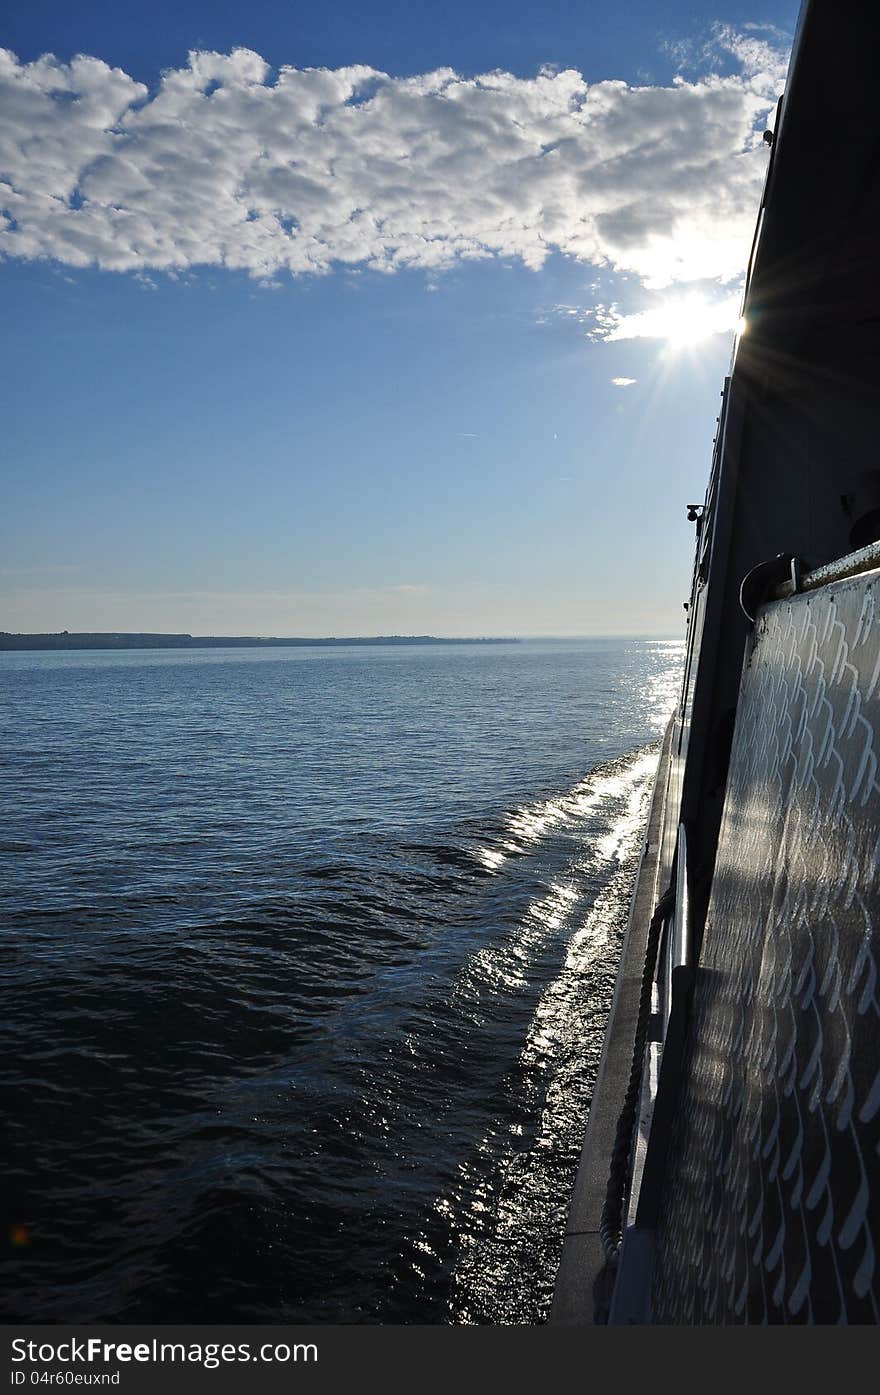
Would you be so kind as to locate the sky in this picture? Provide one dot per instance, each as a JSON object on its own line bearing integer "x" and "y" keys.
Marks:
{"x": 365, "y": 319}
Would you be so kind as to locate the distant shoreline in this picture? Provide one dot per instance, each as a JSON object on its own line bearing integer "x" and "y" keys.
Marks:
{"x": 119, "y": 640}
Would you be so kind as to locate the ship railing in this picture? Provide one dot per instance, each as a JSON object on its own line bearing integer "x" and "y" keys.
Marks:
{"x": 865, "y": 559}
{"x": 661, "y": 1071}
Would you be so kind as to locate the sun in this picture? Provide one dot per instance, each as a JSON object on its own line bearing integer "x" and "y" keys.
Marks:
{"x": 688, "y": 320}
{"x": 681, "y": 321}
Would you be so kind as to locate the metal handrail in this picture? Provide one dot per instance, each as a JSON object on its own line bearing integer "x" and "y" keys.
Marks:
{"x": 866, "y": 559}
{"x": 661, "y": 1065}
{"x": 679, "y": 953}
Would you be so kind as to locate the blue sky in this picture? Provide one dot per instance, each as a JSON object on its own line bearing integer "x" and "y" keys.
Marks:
{"x": 335, "y": 353}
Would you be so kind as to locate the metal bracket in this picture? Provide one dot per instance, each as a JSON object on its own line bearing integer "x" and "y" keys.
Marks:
{"x": 778, "y": 577}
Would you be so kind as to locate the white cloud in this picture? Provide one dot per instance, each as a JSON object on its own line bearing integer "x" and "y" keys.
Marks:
{"x": 682, "y": 316}
{"x": 229, "y": 164}
{"x": 623, "y": 382}
{"x": 687, "y": 317}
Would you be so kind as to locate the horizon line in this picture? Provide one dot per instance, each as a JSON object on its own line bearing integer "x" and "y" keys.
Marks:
{"x": 186, "y": 635}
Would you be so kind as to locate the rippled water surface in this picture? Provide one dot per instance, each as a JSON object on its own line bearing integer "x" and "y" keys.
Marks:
{"x": 311, "y": 956}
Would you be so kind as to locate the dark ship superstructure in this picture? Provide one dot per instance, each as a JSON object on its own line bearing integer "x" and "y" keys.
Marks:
{"x": 731, "y": 1172}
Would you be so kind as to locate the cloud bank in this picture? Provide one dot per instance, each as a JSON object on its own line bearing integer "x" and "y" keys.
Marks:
{"x": 228, "y": 163}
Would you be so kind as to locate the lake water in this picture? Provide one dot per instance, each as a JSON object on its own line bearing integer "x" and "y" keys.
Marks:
{"x": 310, "y": 954}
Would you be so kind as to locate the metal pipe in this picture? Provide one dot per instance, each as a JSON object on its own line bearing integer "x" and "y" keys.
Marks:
{"x": 867, "y": 559}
